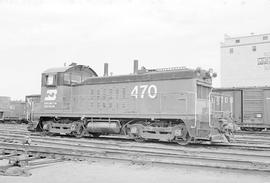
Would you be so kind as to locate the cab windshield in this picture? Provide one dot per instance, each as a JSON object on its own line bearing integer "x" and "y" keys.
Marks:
{"x": 50, "y": 80}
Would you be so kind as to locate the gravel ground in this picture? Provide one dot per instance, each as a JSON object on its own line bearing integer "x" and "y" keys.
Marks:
{"x": 104, "y": 172}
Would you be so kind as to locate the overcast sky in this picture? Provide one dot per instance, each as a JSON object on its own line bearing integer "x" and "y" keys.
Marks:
{"x": 40, "y": 34}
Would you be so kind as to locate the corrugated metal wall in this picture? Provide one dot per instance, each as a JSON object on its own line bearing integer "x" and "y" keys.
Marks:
{"x": 267, "y": 106}
{"x": 253, "y": 105}
{"x": 237, "y": 105}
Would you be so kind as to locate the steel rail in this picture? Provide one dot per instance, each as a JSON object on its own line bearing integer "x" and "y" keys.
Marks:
{"x": 112, "y": 141}
{"x": 238, "y": 138}
{"x": 143, "y": 157}
{"x": 242, "y": 155}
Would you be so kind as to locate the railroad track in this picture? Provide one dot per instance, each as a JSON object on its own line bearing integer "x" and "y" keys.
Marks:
{"x": 233, "y": 156}
{"x": 136, "y": 155}
{"x": 142, "y": 153}
{"x": 239, "y": 141}
{"x": 128, "y": 143}
{"x": 262, "y": 133}
{"x": 13, "y": 126}
{"x": 252, "y": 140}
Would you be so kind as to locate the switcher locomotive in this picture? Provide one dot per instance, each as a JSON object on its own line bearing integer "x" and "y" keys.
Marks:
{"x": 171, "y": 104}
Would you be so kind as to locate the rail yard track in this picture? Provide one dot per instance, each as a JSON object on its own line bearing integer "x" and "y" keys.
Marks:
{"x": 249, "y": 153}
{"x": 254, "y": 133}
{"x": 240, "y": 139}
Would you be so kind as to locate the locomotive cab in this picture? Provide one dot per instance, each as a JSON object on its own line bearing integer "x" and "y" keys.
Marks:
{"x": 66, "y": 76}
{"x": 57, "y": 83}
{"x": 56, "y": 91}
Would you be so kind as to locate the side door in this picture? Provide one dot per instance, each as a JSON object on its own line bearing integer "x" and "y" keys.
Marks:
{"x": 267, "y": 106}
{"x": 238, "y": 105}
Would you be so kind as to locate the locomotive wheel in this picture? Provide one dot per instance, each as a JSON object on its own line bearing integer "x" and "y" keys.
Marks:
{"x": 181, "y": 135}
{"x": 46, "y": 129}
{"x": 47, "y": 126}
{"x": 135, "y": 133}
{"x": 79, "y": 130}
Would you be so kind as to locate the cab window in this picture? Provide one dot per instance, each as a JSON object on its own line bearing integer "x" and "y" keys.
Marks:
{"x": 76, "y": 78}
{"x": 72, "y": 78}
{"x": 50, "y": 80}
{"x": 85, "y": 77}
{"x": 67, "y": 78}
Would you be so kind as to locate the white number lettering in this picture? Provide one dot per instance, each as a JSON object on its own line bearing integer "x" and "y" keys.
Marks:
{"x": 143, "y": 87}
{"x": 151, "y": 91}
{"x": 134, "y": 92}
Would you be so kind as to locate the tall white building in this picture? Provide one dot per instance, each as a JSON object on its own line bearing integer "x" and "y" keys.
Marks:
{"x": 245, "y": 61}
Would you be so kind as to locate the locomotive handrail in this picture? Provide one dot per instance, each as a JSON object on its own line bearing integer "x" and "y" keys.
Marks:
{"x": 168, "y": 69}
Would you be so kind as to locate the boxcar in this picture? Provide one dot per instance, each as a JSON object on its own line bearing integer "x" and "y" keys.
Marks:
{"x": 221, "y": 105}
{"x": 12, "y": 111}
{"x": 4, "y": 106}
{"x": 170, "y": 104}
{"x": 251, "y": 106}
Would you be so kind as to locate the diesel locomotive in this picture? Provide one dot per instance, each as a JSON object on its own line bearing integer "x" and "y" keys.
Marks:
{"x": 170, "y": 104}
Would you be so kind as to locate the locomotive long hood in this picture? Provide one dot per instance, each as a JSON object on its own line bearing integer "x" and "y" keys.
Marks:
{"x": 149, "y": 76}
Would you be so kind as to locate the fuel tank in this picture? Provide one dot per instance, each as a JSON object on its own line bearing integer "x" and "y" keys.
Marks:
{"x": 104, "y": 127}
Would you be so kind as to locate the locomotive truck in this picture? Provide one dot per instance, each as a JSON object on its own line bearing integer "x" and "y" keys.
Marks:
{"x": 170, "y": 104}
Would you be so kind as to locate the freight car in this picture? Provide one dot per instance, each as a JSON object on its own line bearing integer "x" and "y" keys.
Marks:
{"x": 12, "y": 111}
{"x": 4, "y": 106}
{"x": 171, "y": 104}
{"x": 251, "y": 106}
{"x": 221, "y": 105}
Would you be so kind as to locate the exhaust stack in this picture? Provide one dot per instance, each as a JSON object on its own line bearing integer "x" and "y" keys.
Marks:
{"x": 135, "y": 66}
{"x": 106, "y": 69}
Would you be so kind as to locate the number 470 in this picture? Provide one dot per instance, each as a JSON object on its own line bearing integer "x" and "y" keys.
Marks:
{"x": 142, "y": 90}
